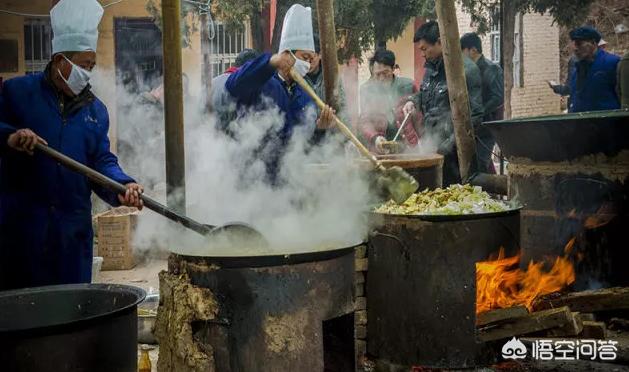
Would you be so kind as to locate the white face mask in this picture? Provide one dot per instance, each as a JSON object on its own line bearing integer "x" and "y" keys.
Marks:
{"x": 78, "y": 79}
{"x": 301, "y": 67}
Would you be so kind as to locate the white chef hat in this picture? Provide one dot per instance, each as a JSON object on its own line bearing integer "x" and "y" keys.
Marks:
{"x": 297, "y": 29}
{"x": 75, "y": 25}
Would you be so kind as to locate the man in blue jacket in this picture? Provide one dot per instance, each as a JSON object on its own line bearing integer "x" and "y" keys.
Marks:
{"x": 45, "y": 209}
{"x": 268, "y": 77}
{"x": 592, "y": 79}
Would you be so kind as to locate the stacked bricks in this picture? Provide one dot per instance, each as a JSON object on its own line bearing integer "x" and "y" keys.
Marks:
{"x": 360, "y": 307}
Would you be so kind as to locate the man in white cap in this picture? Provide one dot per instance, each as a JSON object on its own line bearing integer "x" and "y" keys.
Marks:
{"x": 45, "y": 209}
{"x": 268, "y": 76}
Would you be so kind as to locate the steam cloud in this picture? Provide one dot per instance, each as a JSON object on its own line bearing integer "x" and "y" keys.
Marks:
{"x": 316, "y": 208}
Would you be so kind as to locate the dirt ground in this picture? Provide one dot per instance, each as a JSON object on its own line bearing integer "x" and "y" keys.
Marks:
{"x": 144, "y": 275}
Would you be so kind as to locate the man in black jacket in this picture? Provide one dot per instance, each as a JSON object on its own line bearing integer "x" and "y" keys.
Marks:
{"x": 493, "y": 98}
{"x": 434, "y": 102}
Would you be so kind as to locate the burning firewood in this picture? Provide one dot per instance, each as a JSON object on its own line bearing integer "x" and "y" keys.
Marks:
{"x": 501, "y": 283}
{"x": 596, "y": 330}
{"x": 531, "y": 323}
{"x": 587, "y": 301}
{"x": 494, "y": 316}
{"x": 574, "y": 328}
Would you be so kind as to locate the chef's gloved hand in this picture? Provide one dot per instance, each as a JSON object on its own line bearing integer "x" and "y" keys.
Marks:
{"x": 24, "y": 140}
{"x": 283, "y": 62}
{"x": 131, "y": 198}
{"x": 326, "y": 119}
{"x": 409, "y": 108}
{"x": 379, "y": 144}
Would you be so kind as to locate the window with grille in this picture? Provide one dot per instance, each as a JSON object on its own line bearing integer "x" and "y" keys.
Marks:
{"x": 225, "y": 46}
{"x": 494, "y": 38}
{"x": 37, "y": 44}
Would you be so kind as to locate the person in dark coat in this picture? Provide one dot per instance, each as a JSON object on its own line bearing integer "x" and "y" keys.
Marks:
{"x": 45, "y": 208}
{"x": 434, "y": 102}
{"x": 493, "y": 98}
{"x": 268, "y": 78}
{"x": 592, "y": 79}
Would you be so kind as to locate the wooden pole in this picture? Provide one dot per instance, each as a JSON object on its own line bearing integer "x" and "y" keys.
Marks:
{"x": 329, "y": 58}
{"x": 457, "y": 87}
{"x": 173, "y": 105}
{"x": 507, "y": 35}
{"x": 206, "y": 73}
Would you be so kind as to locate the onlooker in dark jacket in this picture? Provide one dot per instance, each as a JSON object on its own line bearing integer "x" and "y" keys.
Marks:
{"x": 593, "y": 78}
{"x": 493, "y": 98}
{"x": 433, "y": 99}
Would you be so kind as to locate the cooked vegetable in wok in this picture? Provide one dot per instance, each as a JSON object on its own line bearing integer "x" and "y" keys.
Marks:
{"x": 456, "y": 199}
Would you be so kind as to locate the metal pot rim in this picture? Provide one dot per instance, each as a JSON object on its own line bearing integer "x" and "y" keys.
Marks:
{"x": 273, "y": 259}
{"x": 451, "y": 217}
{"x": 138, "y": 292}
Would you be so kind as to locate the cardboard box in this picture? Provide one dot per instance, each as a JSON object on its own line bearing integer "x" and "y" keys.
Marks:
{"x": 115, "y": 238}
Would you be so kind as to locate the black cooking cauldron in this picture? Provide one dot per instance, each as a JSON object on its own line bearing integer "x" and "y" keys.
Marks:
{"x": 77, "y": 327}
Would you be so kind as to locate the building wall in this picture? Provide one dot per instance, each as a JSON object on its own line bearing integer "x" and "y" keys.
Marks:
{"x": 541, "y": 63}
{"x": 404, "y": 51}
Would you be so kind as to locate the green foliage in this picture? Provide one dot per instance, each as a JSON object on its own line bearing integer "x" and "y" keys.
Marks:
{"x": 233, "y": 13}
{"x": 353, "y": 33}
{"x": 360, "y": 23}
{"x": 568, "y": 13}
{"x": 390, "y": 17}
{"x": 189, "y": 14}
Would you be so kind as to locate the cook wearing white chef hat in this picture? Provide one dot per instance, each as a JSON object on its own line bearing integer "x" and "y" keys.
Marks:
{"x": 267, "y": 79}
{"x": 297, "y": 50}
{"x": 75, "y": 29}
{"x": 46, "y": 235}
{"x": 296, "y": 42}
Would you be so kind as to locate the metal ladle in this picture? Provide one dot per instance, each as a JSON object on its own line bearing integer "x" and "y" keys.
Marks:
{"x": 235, "y": 233}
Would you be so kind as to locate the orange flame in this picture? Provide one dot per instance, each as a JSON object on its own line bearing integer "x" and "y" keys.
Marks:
{"x": 500, "y": 283}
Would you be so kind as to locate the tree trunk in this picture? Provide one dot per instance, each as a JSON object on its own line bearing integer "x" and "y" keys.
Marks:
{"x": 508, "y": 48}
{"x": 457, "y": 87}
{"x": 206, "y": 69}
{"x": 173, "y": 105}
{"x": 282, "y": 8}
{"x": 258, "y": 24}
{"x": 329, "y": 56}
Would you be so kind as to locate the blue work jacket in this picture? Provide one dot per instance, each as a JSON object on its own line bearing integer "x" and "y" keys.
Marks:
{"x": 256, "y": 82}
{"x": 598, "y": 91}
{"x": 45, "y": 209}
